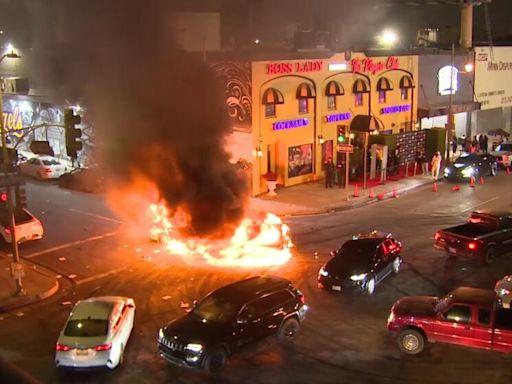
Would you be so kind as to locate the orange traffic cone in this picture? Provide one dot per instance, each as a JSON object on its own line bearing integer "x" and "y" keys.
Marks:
{"x": 508, "y": 170}
{"x": 455, "y": 188}
{"x": 434, "y": 187}
{"x": 356, "y": 191}
{"x": 481, "y": 180}
{"x": 371, "y": 195}
{"x": 472, "y": 181}
{"x": 394, "y": 192}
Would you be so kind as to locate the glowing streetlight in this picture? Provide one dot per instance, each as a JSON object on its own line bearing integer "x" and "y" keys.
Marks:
{"x": 388, "y": 38}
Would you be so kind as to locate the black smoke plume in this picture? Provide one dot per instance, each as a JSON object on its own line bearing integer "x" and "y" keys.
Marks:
{"x": 157, "y": 110}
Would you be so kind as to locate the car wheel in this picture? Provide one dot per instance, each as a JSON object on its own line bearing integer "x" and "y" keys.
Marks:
{"x": 411, "y": 341}
{"x": 216, "y": 359}
{"x": 488, "y": 256}
{"x": 288, "y": 330}
{"x": 396, "y": 265}
{"x": 494, "y": 169}
{"x": 370, "y": 286}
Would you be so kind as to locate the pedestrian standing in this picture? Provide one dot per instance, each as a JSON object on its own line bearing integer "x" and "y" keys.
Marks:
{"x": 329, "y": 173}
{"x": 454, "y": 145}
{"x": 436, "y": 165}
{"x": 486, "y": 143}
{"x": 340, "y": 168}
{"x": 423, "y": 162}
{"x": 481, "y": 142}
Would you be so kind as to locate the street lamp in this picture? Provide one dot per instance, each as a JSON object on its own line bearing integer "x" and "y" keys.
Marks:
{"x": 388, "y": 38}
{"x": 15, "y": 253}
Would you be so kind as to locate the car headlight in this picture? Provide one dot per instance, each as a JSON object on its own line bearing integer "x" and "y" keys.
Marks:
{"x": 161, "y": 334}
{"x": 323, "y": 272}
{"x": 503, "y": 292}
{"x": 360, "y": 277}
{"x": 447, "y": 171}
{"x": 469, "y": 171}
{"x": 196, "y": 348}
{"x": 391, "y": 317}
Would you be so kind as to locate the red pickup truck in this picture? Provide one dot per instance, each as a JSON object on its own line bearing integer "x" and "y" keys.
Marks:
{"x": 471, "y": 317}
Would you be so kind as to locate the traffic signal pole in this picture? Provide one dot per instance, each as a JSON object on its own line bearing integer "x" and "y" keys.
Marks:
{"x": 12, "y": 223}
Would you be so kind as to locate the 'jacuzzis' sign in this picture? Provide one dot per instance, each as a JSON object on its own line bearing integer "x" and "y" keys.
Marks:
{"x": 371, "y": 66}
{"x": 294, "y": 67}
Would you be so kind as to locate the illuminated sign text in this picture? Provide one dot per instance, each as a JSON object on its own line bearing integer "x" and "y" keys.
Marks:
{"x": 395, "y": 109}
{"x": 369, "y": 65}
{"x": 12, "y": 121}
{"x": 280, "y": 125}
{"x": 337, "y": 117}
{"x": 292, "y": 67}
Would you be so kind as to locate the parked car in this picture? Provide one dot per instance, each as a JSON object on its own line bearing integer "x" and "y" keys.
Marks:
{"x": 96, "y": 333}
{"x": 471, "y": 164}
{"x": 28, "y": 227}
{"x": 362, "y": 262}
{"x": 42, "y": 167}
{"x": 230, "y": 317}
{"x": 485, "y": 235}
{"x": 503, "y": 289}
{"x": 466, "y": 316}
{"x": 84, "y": 179}
{"x": 503, "y": 149}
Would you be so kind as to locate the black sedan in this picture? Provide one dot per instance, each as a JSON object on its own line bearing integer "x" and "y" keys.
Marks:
{"x": 84, "y": 179}
{"x": 471, "y": 165}
{"x": 362, "y": 263}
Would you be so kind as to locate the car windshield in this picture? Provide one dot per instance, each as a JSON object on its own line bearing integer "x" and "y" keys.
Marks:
{"x": 466, "y": 159}
{"x": 50, "y": 162}
{"x": 216, "y": 309}
{"x": 357, "y": 253}
{"x": 86, "y": 328}
{"x": 443, "y": 303}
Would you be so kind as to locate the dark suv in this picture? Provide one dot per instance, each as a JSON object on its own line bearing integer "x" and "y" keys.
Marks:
{"x": 230, "y": 317}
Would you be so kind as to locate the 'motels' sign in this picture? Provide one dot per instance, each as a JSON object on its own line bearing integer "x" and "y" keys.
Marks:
{"x": 294, "y": 67}
{"x": 370, "y": 65}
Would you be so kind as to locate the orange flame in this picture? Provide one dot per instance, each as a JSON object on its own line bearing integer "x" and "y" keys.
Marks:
{"x": 253, "y": 244}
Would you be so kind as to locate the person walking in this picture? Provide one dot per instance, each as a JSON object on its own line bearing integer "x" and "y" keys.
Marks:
{"x": 486, "y": 143}
{"x": 329, "y": 172}
{"x": 436, "y": 165}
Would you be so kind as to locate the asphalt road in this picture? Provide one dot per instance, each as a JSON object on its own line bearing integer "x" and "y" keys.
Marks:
{"x": 344, "y": 337}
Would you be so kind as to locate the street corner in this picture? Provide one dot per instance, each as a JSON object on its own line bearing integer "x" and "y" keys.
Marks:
{"x": 37, "y": 283}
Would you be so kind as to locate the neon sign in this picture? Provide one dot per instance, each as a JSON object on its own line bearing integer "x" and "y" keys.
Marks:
{"x": 298, "y": 66}
{"x": 447, "y": 80}
{"x": 369, "y": 65}
{"x": 395, "y": 109}
{"x": 280, "y": 125}
{"x": 337, "y": 117}
{"x": 12, "y": 121}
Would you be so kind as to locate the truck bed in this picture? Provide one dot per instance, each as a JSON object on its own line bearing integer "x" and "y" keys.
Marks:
{"x": 469, "y": 230}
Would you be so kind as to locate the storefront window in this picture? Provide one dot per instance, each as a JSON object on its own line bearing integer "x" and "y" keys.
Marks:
{"x": 382, "y": 97}
{"x": 404, "y": 93}
{"x": 303, "y": 105}
{"x": 358, "y": 99}
{"x": 270, "y": 110}
{"x": 300, "y": 160}
{"x": 331, "y": 103}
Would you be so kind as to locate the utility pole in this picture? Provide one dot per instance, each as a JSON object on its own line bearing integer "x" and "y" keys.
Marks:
{"x": 450, "y": 122}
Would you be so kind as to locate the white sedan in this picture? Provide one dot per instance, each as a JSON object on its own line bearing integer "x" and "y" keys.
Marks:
{"x": 96, "y": 333}
{"x": 27, "y": 226}
{"x": 43, "y": 167}
{"x": 504, "y": 289}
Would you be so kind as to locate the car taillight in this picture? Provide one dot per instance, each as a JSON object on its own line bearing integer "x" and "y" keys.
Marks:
{"x": 48, "y": 170}
{"x": 62, "y": 347}
{"x": 472, "y": 245}
{"x": 104, "y": 347}
{"x": 8, "y": 231}
{"x": 302, "y": 299}
{"x": 437, "y": 236}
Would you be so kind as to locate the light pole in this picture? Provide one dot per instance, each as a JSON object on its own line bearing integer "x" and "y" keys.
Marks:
{"x": 449, "y": 124}
{"x": 12, "y": 223}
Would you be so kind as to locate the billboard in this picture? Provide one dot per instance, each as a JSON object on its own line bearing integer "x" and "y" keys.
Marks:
{"x": 493, "y": 71}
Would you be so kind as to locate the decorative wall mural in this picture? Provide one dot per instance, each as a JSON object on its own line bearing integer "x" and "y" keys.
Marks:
{"x": 236, "y": 77}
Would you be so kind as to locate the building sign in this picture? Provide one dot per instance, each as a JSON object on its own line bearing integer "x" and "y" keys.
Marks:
{"x": 493, "y": 71}
{"x": 369, "y": 65}
{"x": 347, "y": 148}
{"x": 395, "y": 109}
{"x": 447, "y": 80}
{"x": 294, "y": 67}
{"x": 12, "y": 121}
{"x": 338, "y": 117}
{"x": 280, "y": 125}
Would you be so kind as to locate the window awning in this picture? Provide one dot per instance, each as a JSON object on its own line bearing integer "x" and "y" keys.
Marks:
{"x": 360, "y": 86}
{"x": 272, "y": 96}
{"x": 334, "y": 88}
{"x": 364, "y": 123}
{"x": 383, "y": 84}
{"x": 406, "y": 82}
{"x": 442, "y": 110}
{"x": 305, "y": 91}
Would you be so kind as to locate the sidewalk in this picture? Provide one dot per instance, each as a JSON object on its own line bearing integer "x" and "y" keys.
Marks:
{"x": 38, "y": 284}
{"x": 314, "y": 198}
{"x": 304, "y": 199}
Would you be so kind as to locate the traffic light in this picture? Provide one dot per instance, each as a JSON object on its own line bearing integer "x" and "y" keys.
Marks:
{"x": 342, "y": 133}
{"x": 73, "y": 134}
{"x": 21, "y": 196}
